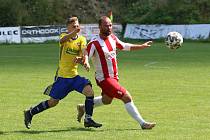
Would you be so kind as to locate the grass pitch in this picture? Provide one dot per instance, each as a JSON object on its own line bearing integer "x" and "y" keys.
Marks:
{"x": 171, "y": 88}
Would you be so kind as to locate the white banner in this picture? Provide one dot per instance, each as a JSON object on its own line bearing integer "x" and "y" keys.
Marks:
{"x": 194, "y": 31}
{"x": 39, "y": 34}
{"x": 10, "y": 35}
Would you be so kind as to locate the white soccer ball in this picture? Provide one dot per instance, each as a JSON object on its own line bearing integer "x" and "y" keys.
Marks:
{"x": 174, "y": 40}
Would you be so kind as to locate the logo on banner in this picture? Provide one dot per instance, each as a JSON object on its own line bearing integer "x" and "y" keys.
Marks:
{"x": 9, "y": 32}
{"x": 40, "y": 31}
{"x": 10, "y": 35}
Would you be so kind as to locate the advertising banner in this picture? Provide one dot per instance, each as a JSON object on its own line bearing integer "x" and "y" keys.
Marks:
{"x": 38, "y": 34}
{"x": 193, "y": 31}
{"x": 10, "y": 35}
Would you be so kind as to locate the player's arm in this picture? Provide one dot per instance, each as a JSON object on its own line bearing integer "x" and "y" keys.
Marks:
{"x": 134, "y": 47}
{"x": 69, "y": 35}
{"x": 86, "y": 63}
{"x": 83, "y": 59}
{"x": 87, "y": 54}
{"x": 130, "y": 47}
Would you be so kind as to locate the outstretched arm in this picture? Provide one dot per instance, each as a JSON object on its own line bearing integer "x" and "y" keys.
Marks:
{"x": 129, "y": 46}
{"x": 134, "y": 47}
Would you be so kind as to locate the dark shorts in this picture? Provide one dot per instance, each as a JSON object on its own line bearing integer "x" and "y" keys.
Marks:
{"x": 112, "y": 88}
{"x": 62, "y": 86}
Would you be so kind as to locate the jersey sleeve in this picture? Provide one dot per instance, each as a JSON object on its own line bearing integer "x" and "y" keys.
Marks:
{"x": 60, "y": 37}
{"x": 120, "y": 44}
{"x": 83, "y": 43}
{"x": 90, "y": 49}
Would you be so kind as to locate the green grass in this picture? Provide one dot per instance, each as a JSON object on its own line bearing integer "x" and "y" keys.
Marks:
{"x": 169, "y": 87}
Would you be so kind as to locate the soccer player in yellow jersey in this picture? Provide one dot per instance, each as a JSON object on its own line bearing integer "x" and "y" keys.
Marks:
{"x": 67, "y": 78}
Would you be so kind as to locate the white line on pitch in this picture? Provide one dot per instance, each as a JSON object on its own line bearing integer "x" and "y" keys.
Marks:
{"x": 151, "y": 65}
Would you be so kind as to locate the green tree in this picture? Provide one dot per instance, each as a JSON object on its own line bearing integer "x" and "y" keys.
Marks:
{"x": 11, "y": 12}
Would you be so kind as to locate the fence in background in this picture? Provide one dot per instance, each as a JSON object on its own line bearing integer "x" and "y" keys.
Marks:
{"x": 39, "y": 34}
{"x": 193, "y": 31}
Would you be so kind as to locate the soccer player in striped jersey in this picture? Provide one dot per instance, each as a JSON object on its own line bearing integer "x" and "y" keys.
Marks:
{"x": 67, "y": 78}
{"x": 102, "y": 49}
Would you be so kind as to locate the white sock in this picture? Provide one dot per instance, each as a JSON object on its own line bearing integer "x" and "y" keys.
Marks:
{"x": 134, "y": 113}
{"x": 98, "y": 101}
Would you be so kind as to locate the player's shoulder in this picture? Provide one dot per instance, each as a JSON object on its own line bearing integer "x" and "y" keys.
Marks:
{"x": 113, "y": 36}
{"x": 81, "y": 37}
{"x": 63, "y": 34}
{"x": 94, "y": 38}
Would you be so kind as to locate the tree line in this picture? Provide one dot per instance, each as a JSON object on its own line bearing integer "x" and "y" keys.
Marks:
{"x": 55, "y": 12}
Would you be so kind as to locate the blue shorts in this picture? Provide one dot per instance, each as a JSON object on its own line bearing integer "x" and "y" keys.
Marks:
{"x": 62, "y": 86}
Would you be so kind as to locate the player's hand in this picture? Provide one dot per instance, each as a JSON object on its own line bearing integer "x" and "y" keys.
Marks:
{"x": 147, "y": 44}
{"x": 76, "y": 30}
{"x": 82, "y": 61}
{"x": 87, "y": 66}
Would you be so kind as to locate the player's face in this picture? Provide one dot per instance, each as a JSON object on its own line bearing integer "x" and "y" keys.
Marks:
{"x": 106, "y": 27}
{"x": 74, "y": 25}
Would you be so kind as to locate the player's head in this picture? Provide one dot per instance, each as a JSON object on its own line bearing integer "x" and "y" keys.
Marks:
{"x": 72, "y": 23}
{"x": 105, "y": 26}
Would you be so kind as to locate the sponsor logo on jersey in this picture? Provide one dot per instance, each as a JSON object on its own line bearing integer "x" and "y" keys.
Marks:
{"x": 72, "y": 51}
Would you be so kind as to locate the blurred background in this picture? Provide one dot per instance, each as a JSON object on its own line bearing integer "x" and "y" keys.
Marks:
{"x": 48, "y": 12}
{"x": 37, "y": 21}
{"x": 170, "y": 87}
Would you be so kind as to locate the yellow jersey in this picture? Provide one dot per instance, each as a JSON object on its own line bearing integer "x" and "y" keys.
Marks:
{"x": 68, "y": 51}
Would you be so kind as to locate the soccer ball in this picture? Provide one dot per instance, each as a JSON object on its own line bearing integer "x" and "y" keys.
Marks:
{"x": 174, "y": 40}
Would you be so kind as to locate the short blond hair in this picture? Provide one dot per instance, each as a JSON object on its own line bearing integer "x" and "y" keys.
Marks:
{"x": 71, "y": 20}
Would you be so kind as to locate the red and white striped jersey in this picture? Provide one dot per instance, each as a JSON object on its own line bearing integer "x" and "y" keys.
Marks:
{"x": 103, "y": 53}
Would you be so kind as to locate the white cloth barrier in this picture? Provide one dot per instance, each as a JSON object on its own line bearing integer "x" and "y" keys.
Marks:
{"x": 10, "y": 35}
{"x": 193, "y": 31}
{"x": 39, "y": 34}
